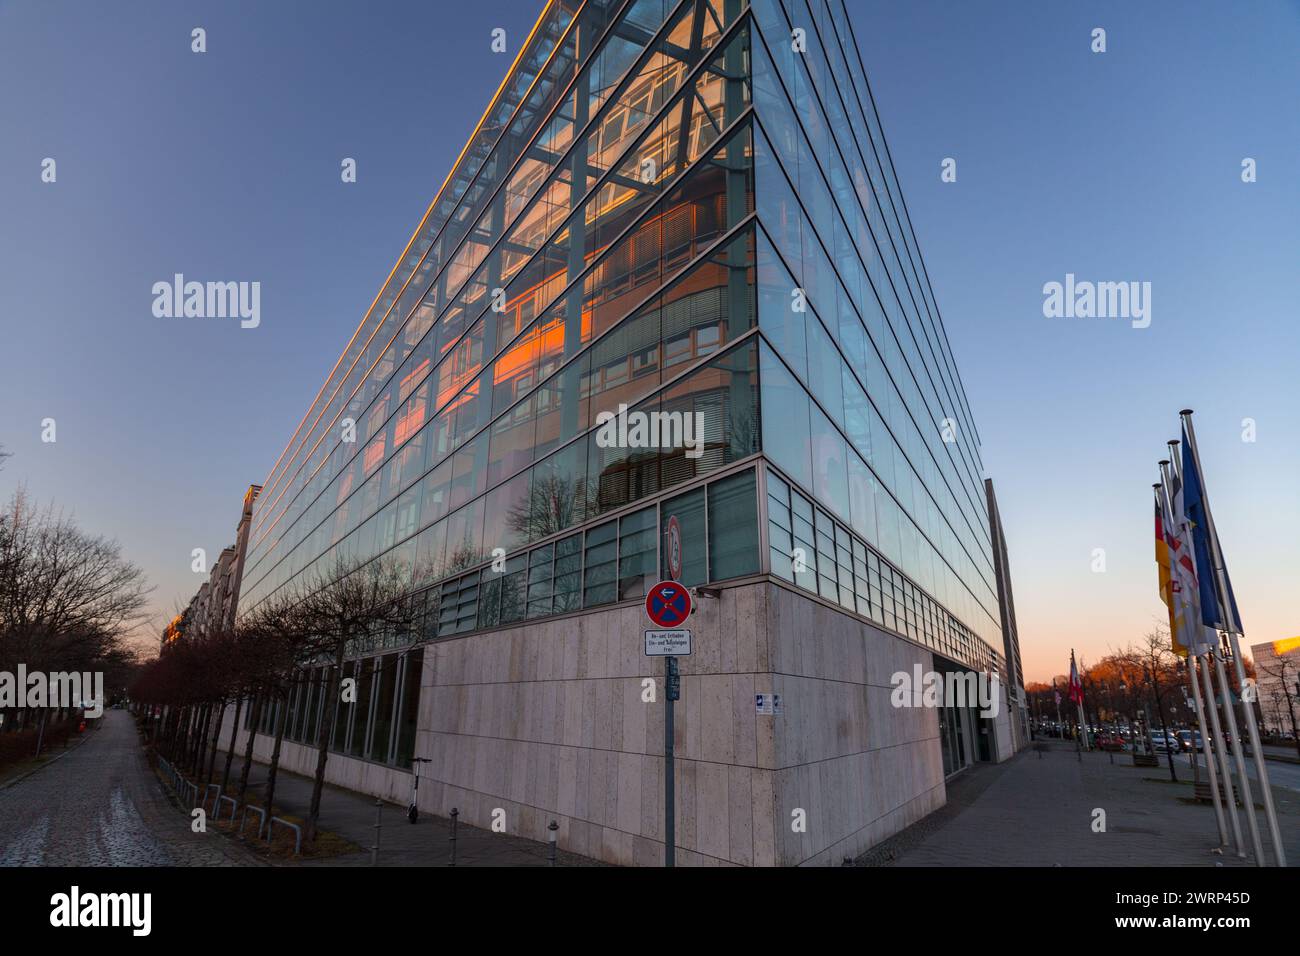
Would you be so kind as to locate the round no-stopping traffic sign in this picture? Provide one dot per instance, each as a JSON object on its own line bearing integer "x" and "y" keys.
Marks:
{"x": 668, "y": 604}
{"x": 673, "y": 547}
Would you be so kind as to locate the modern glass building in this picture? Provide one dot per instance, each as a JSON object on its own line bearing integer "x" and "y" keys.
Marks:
{"x": 676, "y": 206}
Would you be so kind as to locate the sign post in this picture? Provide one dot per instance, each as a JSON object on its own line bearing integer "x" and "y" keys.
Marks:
{"x": 668, "y": 604}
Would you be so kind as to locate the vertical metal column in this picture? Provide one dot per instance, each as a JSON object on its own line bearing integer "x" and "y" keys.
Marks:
{"x": 671, "y": 693}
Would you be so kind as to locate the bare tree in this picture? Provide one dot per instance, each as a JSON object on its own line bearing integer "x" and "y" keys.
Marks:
{"x": 352, "y": 610}
{"x": 1154, "y": 656}
{"x": 1284, "y": 671}
{"x": 67, "y": 598}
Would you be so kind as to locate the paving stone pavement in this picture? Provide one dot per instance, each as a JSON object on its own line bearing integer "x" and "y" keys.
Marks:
{"x": 1039, "y": 811}
{"x": 426, "y": 843}
{"x": 101, "y": 805}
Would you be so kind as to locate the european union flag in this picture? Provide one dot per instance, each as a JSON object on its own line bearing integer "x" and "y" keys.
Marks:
{"x": 1213, "y": 614}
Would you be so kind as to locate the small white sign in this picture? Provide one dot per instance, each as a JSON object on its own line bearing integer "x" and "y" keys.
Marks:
{"x": 767, "y": 704}
{"x": 668, "y": 643}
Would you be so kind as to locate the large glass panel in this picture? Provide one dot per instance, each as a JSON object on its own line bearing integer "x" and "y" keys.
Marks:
{"x": 384, "y": 703}
{"x": 340, "y": 711}
{"x": 361, "y": 709}
{"x": 733, "y": 527}
{"x": 312, "y": 706}
{"x": 600, "y": 565}
{"x": 688, "y": 511}
{"x": 541, "y": 580}
{"x": 637, "y": 550}
{"x": 830, "y": 463}
{"x": 568, "y": 573}
{"x": 804, "y": 552}
{"x": 780, "y": 535}
{"x": 410, "y": 707}
{"x": 786, "y": 425}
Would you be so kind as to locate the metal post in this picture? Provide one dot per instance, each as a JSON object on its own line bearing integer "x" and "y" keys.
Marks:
{"x": 1222, "y": 751}
{"x": 1205, "y": 746}
{"x": 552, "y": 831}
{"x": 1192, "y": 759}
{"x": 670, "y": 810}
{"x": 451, "y": 840}
{"x": 374, "y": 849}
{"x": 1247, "y": 798}
{"x": 1221, "y": 586}
{"x": 1270, "y": 814}
{"x": 1193, "y": 634}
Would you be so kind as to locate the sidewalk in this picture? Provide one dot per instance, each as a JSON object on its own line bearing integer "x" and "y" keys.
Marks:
{"x": 1038, "y": 811}
{"x": 351, "y": 815}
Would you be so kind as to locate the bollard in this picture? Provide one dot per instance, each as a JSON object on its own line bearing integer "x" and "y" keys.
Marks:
{"x": 552, "y": 830}
{"x": 452, "y": 839}
{"x": 233, "y": 807}
{"x": 243, "y": 821}
{"x": 297, "y": 831}
{"x": 374, "y": 850}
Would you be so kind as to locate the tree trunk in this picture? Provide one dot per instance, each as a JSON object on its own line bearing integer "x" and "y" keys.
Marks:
{"x": 187, "y": 743}
{"x": 275, "y": 758}
{"x": 216, "y": 740}
{"x": 183, "y": 716}
{"x": 200, "y": 740}
{"x": 254, "y": 721}
{"x": 40, "y": 734}
{"x": 234, "y": 735}
{"x": 322, "y": 744}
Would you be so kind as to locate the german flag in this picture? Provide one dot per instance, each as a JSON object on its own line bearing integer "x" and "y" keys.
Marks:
{"x": 1166, "y": 576}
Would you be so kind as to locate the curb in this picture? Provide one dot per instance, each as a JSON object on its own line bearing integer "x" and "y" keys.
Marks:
{"x": 23, "y": 776}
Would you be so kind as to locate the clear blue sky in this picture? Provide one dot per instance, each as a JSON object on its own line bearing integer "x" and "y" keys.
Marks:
{"x": 1116, "y": 166}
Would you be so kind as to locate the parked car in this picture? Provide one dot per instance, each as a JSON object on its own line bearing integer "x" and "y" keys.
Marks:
{"x": 1163, "y": 744}
{"x": 1110, "y": 741}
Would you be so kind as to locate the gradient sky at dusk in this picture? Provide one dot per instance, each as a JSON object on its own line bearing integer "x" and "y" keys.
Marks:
{"x": 225, "y": 166}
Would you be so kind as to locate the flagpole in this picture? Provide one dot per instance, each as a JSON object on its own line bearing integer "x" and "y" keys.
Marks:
{"x": 1186, "y": 621}
{"x": 1217, "y": 747}
{"x": 1078, "y": 705}
{"x": 1270, "y": 814}
{"x": 1087, "y": 732}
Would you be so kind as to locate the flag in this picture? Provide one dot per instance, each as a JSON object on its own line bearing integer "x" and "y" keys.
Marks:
{"x": 1165, "y": 543}
{"x": 1183, "y": 583}
{"x": 1056, "y": 693}
{"x": 1076, "y": 688}
{"x": 1165, "y": 577}
{"x": 1205, "y": 546}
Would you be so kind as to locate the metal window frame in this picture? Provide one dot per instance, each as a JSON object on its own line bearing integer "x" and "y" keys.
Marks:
{"x": 643, "y": 57}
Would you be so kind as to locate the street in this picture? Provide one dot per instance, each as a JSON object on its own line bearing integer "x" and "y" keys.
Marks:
{"x": 99, "y": 805}
{"x": 1280, "y": 773}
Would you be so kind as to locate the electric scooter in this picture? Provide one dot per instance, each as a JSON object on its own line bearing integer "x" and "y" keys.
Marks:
{"x": 413, "y": 811}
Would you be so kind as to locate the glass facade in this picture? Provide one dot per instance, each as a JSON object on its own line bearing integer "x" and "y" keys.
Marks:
{"x": 379, "y": 725}
{"x": 862, "y": 407}
{"x": 666, "y": 209}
